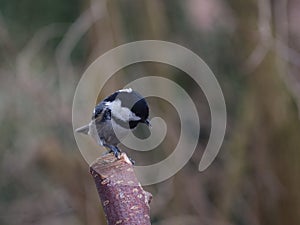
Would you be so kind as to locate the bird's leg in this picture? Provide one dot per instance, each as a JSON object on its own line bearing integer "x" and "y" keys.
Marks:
{"x": 132, "y": 161}
{"x": 119, "y": 152}
{"x": 113, "y": 149}
{"x": 116, "y": 151}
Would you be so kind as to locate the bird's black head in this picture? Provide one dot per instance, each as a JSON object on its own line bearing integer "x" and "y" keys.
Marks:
{"x": 141, "y": 109}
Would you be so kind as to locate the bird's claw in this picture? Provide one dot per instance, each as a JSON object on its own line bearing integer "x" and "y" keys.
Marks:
{"x": 132, "y": 161}
{"x": 117, "y": 152}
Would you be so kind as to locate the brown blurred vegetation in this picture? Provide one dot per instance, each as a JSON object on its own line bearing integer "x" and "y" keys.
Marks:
{"x": 253, "y": 47}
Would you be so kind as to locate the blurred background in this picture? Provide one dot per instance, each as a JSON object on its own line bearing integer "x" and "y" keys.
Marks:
{"x": 253, "y": 48}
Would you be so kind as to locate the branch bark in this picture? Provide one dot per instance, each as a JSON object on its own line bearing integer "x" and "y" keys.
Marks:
{"x": 123, "y": 199}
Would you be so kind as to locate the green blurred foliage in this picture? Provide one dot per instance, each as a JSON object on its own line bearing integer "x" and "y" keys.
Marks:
{"x": 24, "y": 17}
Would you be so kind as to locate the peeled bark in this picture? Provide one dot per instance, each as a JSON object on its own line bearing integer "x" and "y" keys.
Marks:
{"x": 123, "y": 199}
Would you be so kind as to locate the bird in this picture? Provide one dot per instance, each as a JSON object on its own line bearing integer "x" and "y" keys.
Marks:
{"x": 114, "y": 117}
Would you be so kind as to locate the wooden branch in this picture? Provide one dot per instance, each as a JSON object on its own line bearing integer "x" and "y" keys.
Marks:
{"x": 123, "y": 199}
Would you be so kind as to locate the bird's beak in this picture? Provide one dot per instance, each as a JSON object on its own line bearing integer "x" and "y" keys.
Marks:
{"x": 147, "y": 122}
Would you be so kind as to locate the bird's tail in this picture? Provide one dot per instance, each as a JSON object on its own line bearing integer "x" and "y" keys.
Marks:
{"x": 84, "y": 129}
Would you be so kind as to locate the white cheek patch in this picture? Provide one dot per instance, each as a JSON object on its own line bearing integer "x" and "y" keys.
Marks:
{"x": 120, "y": 112}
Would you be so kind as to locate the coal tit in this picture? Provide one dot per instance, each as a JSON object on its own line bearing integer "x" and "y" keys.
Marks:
{"x": 115, "y": 116}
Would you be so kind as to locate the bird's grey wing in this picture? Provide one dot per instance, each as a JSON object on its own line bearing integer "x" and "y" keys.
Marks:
{"x": 98, "y": 110}
{"x": 104, "y": 116}
{"x": 99, "y": 114}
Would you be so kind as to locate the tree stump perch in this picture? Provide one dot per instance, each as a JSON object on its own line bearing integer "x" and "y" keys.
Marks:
{"x": 123, "y": 199}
